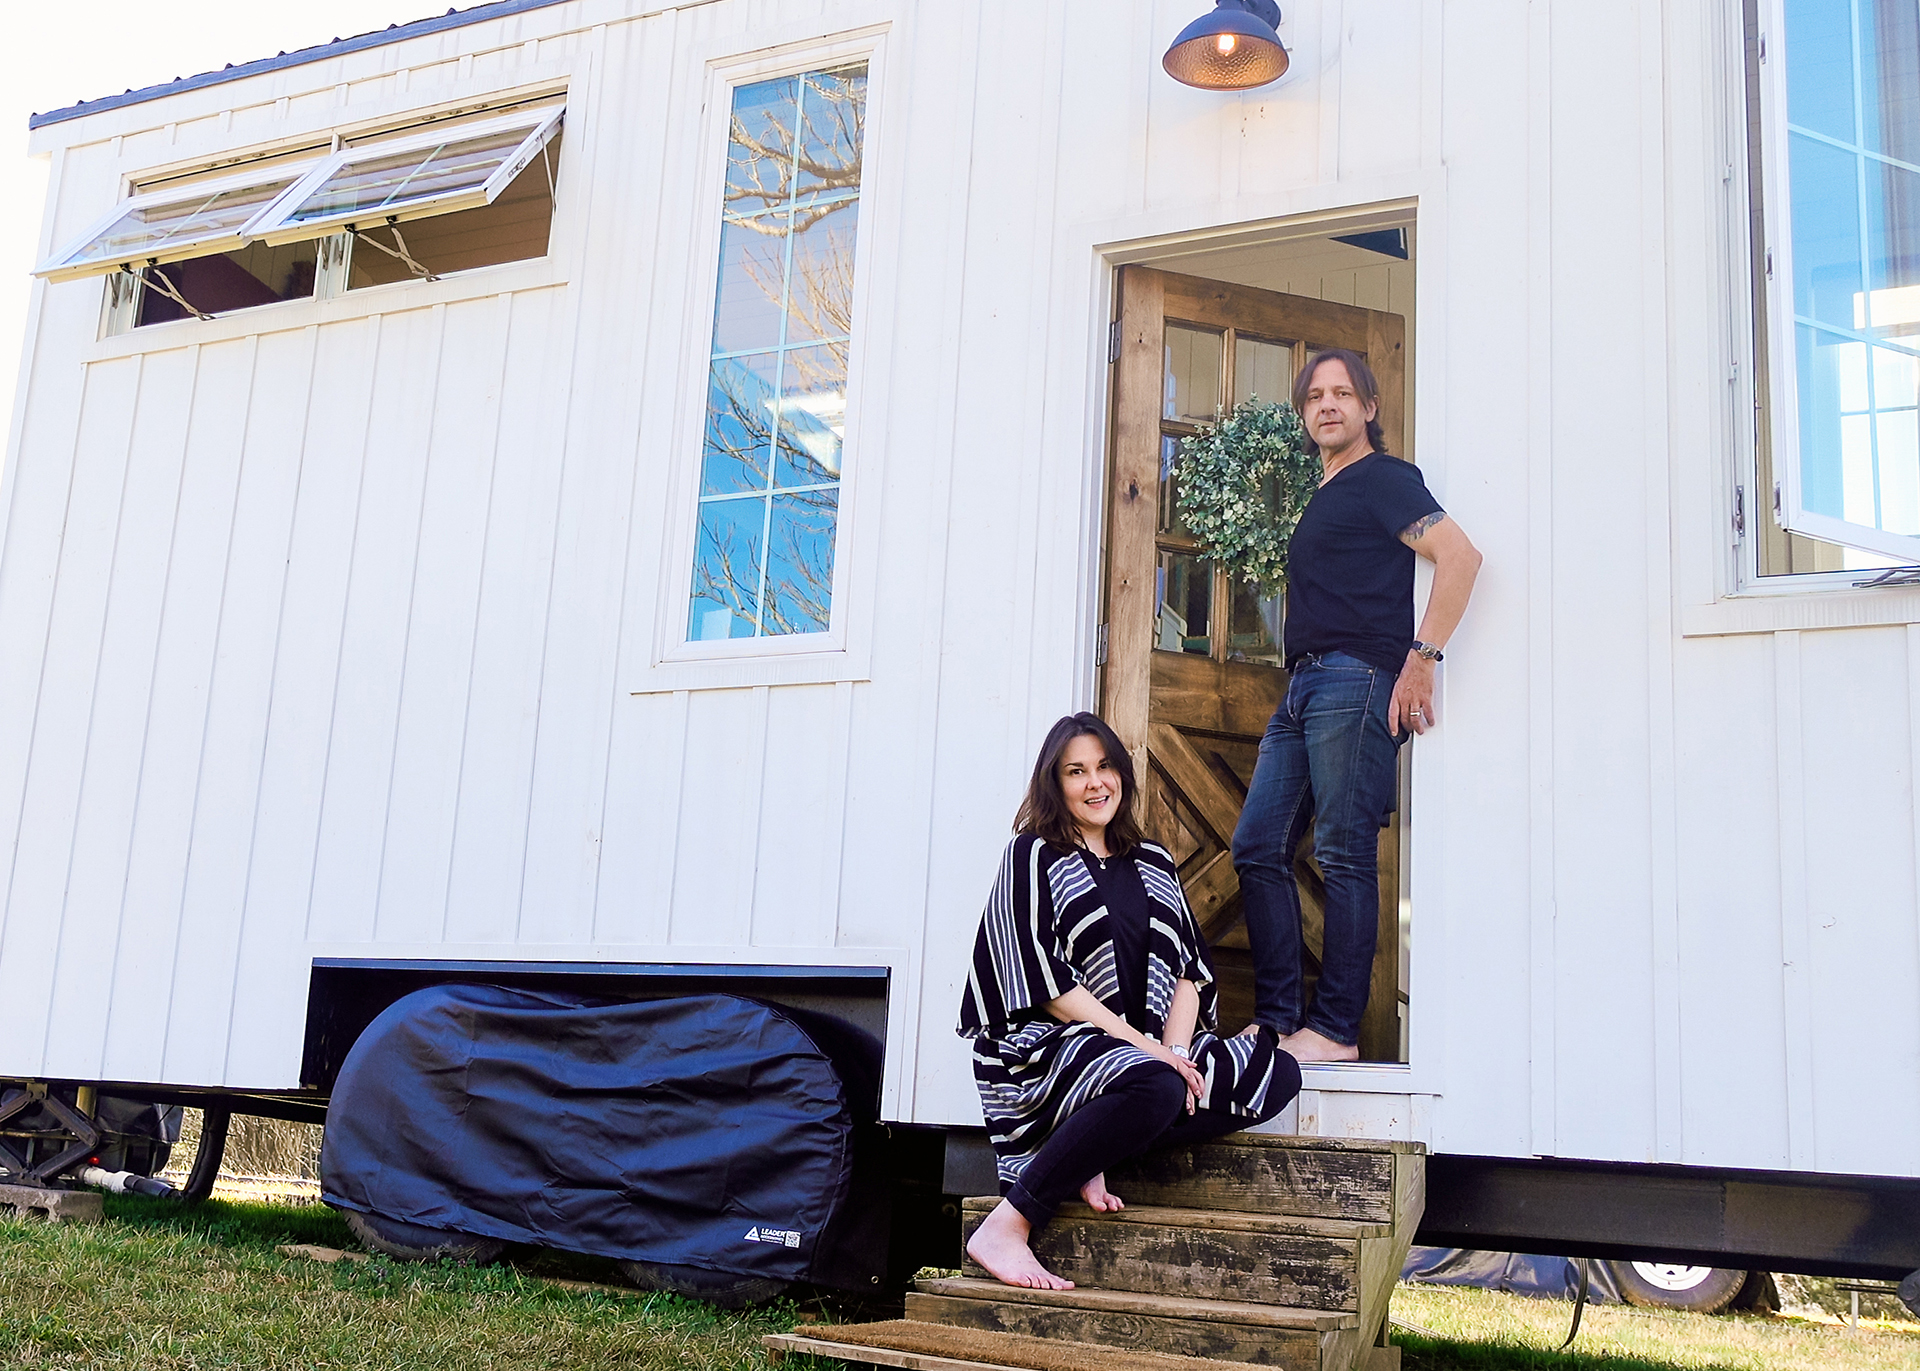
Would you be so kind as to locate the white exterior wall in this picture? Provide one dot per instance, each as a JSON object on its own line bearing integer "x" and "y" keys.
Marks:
{"x": 323, "y": 622}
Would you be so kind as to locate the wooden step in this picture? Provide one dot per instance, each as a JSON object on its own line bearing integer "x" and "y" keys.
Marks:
{"x": 1235, "y": 1331}
{"x": 937, "y": 1347}
{"x": 1206, "y": 1254}
{"x": 1269, "y": 1173}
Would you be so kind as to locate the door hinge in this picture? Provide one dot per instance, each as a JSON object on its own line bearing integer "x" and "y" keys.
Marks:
{"x": 1113, "y": 342}
{"x": 1739, "y": 511}
{"x": 1100, "y": 646}
{"x": 1769, "y": 264}
{"x": 1776, "y": 499}
{"x": 1763, "y": 47}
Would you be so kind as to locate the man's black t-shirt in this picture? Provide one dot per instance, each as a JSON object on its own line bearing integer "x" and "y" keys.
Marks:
{"x": 1349, "y": 577}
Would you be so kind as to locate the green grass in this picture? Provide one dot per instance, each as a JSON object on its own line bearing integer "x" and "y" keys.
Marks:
{"x": 1480, "y": 1330}
{"x": 159, "y": 1286}
{"x": 166, "y": 1287}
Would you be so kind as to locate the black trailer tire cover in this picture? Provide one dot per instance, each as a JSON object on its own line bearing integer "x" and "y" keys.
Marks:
{"x": 704, "y": 1130}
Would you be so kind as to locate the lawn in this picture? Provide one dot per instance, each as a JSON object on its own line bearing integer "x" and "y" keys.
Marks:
{"x": 1481, "y": 1329}
{"x": 160, "y": 1286}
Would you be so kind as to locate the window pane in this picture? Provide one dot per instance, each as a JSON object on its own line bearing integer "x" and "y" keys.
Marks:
{"x": 760, "y": 145}
{"x": 820, "y": 304}
{"x": 1262, "y": 371}
{"x": 1192, "y": 374}
{"x": 1893, "y": 237}
{"x": 726, "y": 570}
{"x": 739, "y": 423}
{"x": 813, "y": 415}
{"x": 753, "y": 270}
{"x": 1826, "y": 232}
{"x": 1820, "y": 66}
{"x": 800, "y": 570}
{"x": 834, "y": 110}
{"x": 1890, "y": 76}
{"x": 1253, "y": 626}
{"x": 1897, "y": 436}
{"x": 170, "y": 225}
{"x": 375, "y": 185}
{"x": 1185, "y": 595}
{"x": 1170, "y": 521}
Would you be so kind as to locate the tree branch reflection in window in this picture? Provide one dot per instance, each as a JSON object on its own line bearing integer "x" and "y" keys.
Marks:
{"x": 777, "y": 378}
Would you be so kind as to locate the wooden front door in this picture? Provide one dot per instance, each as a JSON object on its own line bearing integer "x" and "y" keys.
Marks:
{"x": 1193, "y": 667}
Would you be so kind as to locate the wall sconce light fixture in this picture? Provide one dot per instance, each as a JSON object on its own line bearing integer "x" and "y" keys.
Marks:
{"x": 1236, "y": 47}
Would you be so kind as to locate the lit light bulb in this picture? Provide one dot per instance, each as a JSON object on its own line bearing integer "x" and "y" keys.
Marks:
{"x": 1224, "y": 44}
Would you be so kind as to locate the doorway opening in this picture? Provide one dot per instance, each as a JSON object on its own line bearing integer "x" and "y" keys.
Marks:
{"x": 1194, "y": 667}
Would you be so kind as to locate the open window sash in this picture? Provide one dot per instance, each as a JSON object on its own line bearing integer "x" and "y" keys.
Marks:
{"x": 374, "y": 184}
{"x": 1843, "y": 320}
{"x": 172, "y": 224}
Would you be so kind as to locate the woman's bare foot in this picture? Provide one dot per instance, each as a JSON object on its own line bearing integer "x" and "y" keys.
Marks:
{"x": 1000, "y": 1245}
{"x": 1097, "y": 1196}
{"x": 1309, "y": 1046}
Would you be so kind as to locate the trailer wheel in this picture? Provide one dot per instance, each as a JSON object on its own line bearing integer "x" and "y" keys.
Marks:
{"x": 412, "y": 1242}
{"x": 214, "y": 1121}
{"x": 1696, "y": 1289}
{"x": 716, "y": 1287}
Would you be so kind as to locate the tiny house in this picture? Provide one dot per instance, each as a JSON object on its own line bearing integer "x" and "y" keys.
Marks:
{"x": 608, "y": 489}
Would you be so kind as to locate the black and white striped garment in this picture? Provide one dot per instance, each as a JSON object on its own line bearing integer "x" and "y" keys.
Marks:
{"x": 1045, "y": 931}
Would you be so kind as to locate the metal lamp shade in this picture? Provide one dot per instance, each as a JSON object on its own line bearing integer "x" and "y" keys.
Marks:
{"x": 1229, "y": 49}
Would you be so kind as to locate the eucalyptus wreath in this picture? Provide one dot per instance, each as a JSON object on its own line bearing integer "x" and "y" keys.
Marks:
{"x": 1244, "y": 480}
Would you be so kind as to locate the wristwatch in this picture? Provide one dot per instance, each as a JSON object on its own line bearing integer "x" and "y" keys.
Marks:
{"x": 1429, "y": 651}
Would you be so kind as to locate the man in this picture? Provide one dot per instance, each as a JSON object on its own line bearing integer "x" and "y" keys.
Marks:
{"x": 1362, "y": 683}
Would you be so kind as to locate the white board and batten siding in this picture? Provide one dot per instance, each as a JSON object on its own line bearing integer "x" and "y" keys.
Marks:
{"x": 336, "y": 627}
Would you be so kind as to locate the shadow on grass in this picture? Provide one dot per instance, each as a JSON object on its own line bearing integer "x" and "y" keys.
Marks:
{"x": 1444, "y": 1354}
{"x": 233, "y": 1224}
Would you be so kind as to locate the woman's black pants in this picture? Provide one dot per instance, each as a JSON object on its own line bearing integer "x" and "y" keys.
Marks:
{"x": 1145, "y": 1108}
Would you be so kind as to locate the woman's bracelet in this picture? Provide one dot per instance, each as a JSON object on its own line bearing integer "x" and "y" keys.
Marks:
{"x": 1180, "y": 1050}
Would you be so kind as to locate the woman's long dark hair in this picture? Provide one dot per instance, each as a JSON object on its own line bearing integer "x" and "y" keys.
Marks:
{"x": 1044, "y": 811}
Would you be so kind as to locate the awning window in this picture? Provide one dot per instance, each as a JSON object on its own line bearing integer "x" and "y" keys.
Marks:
{"x": 172, "y": 225}
{"x": 370, "y": 185}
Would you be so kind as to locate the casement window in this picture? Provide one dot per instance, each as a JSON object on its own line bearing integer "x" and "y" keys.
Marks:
{"x": 1835, "y": 114}
{"x": 777, "y": 358}
{"x": 400, "y": 204}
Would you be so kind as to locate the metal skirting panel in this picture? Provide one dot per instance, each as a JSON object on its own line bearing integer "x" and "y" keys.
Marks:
{"x": 1800, "y": 1222}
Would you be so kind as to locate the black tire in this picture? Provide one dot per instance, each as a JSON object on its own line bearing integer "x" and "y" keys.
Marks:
{"x": 411, "y": 1242}
{"x": 696, "y": 1282}
{"x": 1696, "y": 1289}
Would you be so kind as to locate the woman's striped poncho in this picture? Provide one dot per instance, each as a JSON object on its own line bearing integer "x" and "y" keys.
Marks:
{"x": 1045, "y": 931}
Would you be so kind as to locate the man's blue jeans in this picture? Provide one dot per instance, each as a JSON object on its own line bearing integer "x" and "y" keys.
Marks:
{"x": 1328, "y": 756}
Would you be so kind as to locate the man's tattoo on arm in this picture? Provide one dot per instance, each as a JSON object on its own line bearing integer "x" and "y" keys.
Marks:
{"x": 1413, "y": 530}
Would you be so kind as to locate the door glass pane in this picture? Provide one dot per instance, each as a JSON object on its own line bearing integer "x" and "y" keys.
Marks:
{"x": 1261, "y": 371}
{"x": 832, "y": 130}
{"x": 1184, "y": 587}
{"x": 1192, "y": 386}
{"x": 760, "y": 144}
{"x": 1170, "y": 521}
{"x": 1253, "y": 626}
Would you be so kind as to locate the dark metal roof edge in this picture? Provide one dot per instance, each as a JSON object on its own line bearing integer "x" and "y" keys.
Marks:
{"x": 452, "y": 19}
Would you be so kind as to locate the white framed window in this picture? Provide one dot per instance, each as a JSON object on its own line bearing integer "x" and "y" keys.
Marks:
{"x": 473, "y": 190}
{"x": 172, "y": 224}
{"x": 386, "y": 183}
{"x": 778, "y": 358}
{"x": 1835, "y": 95}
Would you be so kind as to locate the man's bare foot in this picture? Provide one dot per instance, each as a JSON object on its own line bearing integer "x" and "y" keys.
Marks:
{"x": 1000, "y": 1245}
{"x": 1097, "y": 1196}
{"x": 1309, "y": 1046}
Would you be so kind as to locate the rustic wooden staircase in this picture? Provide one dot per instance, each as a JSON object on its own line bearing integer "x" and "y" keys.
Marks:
{"x": 1254, "y": 1250}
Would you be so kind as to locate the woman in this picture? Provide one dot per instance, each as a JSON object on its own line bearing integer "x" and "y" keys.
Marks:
{"x": 1091, "y": 1004}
